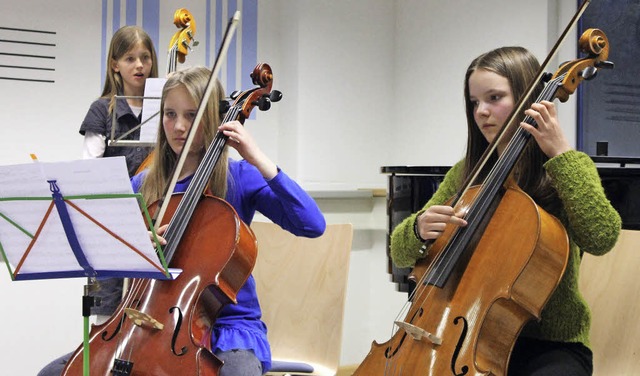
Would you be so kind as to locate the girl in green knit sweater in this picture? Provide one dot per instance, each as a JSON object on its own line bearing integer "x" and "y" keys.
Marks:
{"x": 562, "y": 181}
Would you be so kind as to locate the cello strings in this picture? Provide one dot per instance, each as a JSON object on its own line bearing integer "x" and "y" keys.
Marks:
{"x": 172, "y": 63}
{"x": 132, "y": 297}
{"x": 192, "y": 196}
{"x": 501, "y": 168}
{"x": 177, "y": 225}
{"x": 493, "y": 182}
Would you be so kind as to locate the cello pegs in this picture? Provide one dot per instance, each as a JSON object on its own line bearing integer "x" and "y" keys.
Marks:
{"x": 264, "y": 103}
{"x": 223, "y": 107}
{"x": 187, "y": 46}
{"x": 589, "y": 72}
{"x": 275, "y": 96}
{"x": 605, "y": 64}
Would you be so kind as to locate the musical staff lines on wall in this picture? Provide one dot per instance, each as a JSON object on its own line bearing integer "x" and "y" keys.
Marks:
{"x": 27, "y": 55}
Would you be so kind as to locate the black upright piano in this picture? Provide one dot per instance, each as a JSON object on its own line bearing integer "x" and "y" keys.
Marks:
{"x": 410, "y": 187}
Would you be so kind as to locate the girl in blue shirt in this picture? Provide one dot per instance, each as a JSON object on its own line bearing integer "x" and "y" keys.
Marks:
{"x": 239, "y": 336}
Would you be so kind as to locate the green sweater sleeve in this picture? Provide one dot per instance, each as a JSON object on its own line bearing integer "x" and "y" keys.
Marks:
{"x": 405, "y": 247}
{"x": 591, "y": 221}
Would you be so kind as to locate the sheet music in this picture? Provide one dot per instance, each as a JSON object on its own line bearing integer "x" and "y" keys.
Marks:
{"x": 51, "y": 251}
{"x": 151, "y": 109}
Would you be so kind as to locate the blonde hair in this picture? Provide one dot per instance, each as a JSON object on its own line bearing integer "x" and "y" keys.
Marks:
{"x": 122, "y": 42}
{"x": 194, "y": 80}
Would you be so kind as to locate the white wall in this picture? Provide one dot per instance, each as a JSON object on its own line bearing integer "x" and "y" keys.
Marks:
{"x": 43, "y": 319}
{"x": 366, "y": 83}
{"x": 45, "y": 118}
{"x": 434, "y": 45}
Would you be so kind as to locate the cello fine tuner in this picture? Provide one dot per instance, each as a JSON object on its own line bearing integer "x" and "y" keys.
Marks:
{"x": 140, "y": 319}
{"x": 418, "y": 333}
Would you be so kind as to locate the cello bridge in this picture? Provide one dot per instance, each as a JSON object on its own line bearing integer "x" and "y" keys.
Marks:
{"x": 140, "y": 319}
{"x": 418, "y": 333}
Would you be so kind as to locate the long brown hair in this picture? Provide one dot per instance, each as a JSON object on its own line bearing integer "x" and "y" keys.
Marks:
{"x": 123, "y": 40}
{"x": 519, "y": 67}
{"x": 195, "y": 81}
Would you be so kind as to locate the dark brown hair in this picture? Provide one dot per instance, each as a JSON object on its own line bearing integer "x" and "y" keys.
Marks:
{"x": 519, "y": 67}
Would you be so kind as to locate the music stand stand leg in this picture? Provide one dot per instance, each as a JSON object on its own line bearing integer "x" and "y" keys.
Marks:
{"x": 87, "y": 302}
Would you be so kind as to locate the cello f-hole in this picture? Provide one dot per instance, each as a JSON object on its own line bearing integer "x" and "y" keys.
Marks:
{"x": 106, "y": 337}
{"x": 176, "y": 331}
{"x": 456, "y": 352}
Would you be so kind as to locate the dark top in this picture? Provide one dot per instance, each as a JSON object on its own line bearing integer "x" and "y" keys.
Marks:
{"x": 98, "y": 120}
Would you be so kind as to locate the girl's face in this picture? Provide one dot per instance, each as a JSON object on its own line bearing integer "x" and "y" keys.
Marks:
{"x": 490, "y": 94}
{"x": 178, "y": 115}
{"x": 134, "y": 68}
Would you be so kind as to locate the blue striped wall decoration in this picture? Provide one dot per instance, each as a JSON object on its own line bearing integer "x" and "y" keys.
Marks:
{"x": 243, "y": 51}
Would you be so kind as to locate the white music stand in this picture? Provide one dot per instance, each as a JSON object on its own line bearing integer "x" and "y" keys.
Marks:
{"x": 76, "y": 219}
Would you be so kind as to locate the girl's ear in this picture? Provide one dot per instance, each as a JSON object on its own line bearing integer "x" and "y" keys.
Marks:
{"x": 114, "y": 66}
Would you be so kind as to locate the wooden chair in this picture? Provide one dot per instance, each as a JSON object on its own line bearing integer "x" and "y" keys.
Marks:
{"x": 302, "y": 285}
{"x": 611, "y": 286}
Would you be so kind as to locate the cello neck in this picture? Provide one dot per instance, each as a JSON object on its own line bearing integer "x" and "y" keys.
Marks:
{"x": 509, "y": 157}
{"x": 191, "y": 197}
{"x": 488, "y": 194}
{"x": 240, "y": 110}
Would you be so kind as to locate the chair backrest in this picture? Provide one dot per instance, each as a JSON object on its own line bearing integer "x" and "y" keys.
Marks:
{"x": 611, "y": 286}
{"x": 301, "y": 284}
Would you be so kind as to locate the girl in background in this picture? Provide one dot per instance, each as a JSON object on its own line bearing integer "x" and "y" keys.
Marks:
{"x": 131, "y": 60}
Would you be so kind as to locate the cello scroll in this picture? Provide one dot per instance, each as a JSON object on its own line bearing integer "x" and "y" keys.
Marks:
{"x": 182, "y": 40}
{"x": 595, "y": 44}
{"x": 261, "y": 96}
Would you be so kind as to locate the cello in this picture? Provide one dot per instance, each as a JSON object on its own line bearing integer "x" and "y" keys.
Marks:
{"x": 480, "y": 284}
{"x": 164, "y": 327}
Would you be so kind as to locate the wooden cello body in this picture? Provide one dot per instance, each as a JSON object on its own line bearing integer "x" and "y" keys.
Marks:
{"x": 164, "y": 327}
{"x": 480, "y": 284}
{"x": 474, "y": 320}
